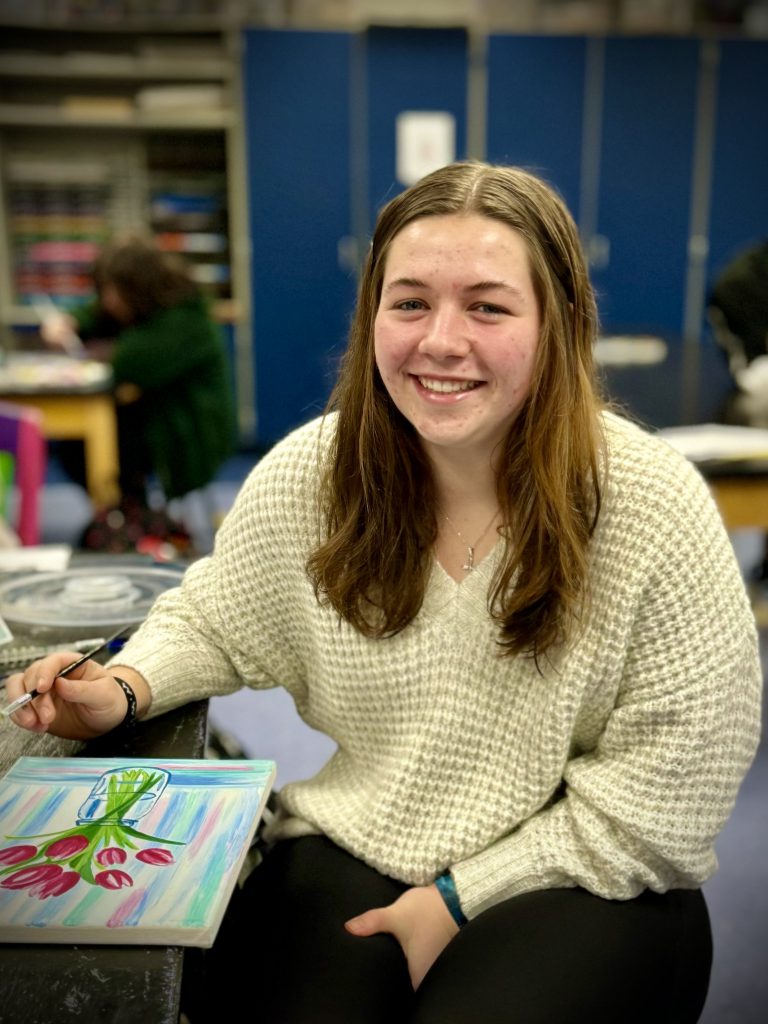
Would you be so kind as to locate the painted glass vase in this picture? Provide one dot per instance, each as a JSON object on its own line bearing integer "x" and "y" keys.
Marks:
{"x": 123, "y": 795}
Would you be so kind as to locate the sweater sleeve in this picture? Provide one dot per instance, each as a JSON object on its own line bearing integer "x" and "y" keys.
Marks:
{"x": 643, "y": 807}
{"x": 233, "y": 620}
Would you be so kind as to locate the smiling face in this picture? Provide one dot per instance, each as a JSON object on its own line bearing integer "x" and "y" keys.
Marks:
{"x": 456, "y": 330}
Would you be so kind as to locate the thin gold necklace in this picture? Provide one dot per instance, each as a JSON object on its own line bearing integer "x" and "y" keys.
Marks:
{"x": 469, "y": 565}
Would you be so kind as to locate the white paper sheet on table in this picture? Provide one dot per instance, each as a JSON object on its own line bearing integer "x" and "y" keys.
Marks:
{"x": 704, "y": 442}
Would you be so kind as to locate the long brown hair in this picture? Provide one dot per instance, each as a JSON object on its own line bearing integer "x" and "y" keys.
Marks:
{"x": 378, "y": 492}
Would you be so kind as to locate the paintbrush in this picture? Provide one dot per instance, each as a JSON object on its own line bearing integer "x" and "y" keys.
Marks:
{"x": 25, "y": 698}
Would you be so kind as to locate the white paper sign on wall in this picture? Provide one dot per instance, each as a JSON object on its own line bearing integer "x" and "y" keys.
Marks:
{"x": 425, "y": 140}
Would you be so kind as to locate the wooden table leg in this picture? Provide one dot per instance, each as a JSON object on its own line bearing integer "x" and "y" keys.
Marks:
{"x": 101, "y": 452}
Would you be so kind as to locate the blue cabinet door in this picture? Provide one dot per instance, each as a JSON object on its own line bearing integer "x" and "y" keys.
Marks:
{"x": 409, "y": 70}
{"x": 535, "y": 107}
{"x": 297, "y": 111}
{"x": 649, "y": 106}
{"x": 625, "y": 108}
{"x": 739, "y": 210}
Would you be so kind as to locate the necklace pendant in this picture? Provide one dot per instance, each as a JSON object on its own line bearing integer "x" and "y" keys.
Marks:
{"x": 469, "y": 565}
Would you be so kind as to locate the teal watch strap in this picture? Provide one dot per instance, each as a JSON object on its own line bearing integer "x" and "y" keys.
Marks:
{"x": 447, "y": 889}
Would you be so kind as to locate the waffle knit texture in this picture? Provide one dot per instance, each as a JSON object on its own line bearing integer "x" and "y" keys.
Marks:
{"x": 614, "y": 768}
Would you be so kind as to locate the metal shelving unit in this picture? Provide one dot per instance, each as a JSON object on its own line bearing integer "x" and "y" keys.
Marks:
{"x": 104, "y": 131}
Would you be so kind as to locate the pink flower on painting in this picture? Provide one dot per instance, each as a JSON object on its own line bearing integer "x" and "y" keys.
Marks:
{"x": 16, "y": 854}
{"x": 25, "y": 878}
{"x": 42, "y": 880}
{"x": 63, "y": 849}
{"x": 154, "y": 855}
{"x": 113, "y": 879}
{"x": 111, "y": 855}
{"x": 55, "y": 886}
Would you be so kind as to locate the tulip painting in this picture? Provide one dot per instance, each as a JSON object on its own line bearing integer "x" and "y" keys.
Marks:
{"x": 93, "y": 850}
{"x": 102, "y": 835}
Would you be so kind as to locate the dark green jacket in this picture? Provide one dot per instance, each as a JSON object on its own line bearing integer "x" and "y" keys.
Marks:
{"x": 176, "y": 357}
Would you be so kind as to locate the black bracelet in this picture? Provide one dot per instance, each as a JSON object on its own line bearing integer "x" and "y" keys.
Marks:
{"x": 130, "y": 696}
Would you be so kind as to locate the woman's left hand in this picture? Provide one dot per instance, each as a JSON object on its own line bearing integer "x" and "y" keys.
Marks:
{"x": 421, "y": 923}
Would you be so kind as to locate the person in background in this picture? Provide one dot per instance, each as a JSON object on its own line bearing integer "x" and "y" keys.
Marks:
{"x": 172, "y": 389}
{"x": 520, "y": 619}
{"x": 737, "y": 307}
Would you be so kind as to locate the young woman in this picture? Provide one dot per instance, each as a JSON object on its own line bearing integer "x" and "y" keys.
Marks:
{"x": 519, "y": 617}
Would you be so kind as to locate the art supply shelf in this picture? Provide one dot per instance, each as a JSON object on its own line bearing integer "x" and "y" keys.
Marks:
{"x": 104, "y": 132}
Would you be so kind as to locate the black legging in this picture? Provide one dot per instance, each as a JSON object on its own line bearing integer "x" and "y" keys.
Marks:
{"x": 559, "y": 956}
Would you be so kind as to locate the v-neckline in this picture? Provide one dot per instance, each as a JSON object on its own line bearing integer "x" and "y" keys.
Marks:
{"x": 451, "y": 601}
{"x": 478, "y": 569}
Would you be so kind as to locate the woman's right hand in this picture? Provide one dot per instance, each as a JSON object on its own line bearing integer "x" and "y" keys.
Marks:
{"x": 85, "y": 704}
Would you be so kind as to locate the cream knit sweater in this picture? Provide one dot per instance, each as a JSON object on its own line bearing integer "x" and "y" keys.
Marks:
{"x": 615, "y": 769}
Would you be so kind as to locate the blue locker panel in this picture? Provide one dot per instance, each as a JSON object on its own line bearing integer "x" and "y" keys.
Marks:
{"x": 297, "y": 110}
{"x": 535, "y": 107}
{"x": 648, "y": 132}
{"x": 739, "y": 212}
{"x": 410, "y": 69}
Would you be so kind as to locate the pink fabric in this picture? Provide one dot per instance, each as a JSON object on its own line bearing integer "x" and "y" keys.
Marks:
{"x": 30, "y": 452}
